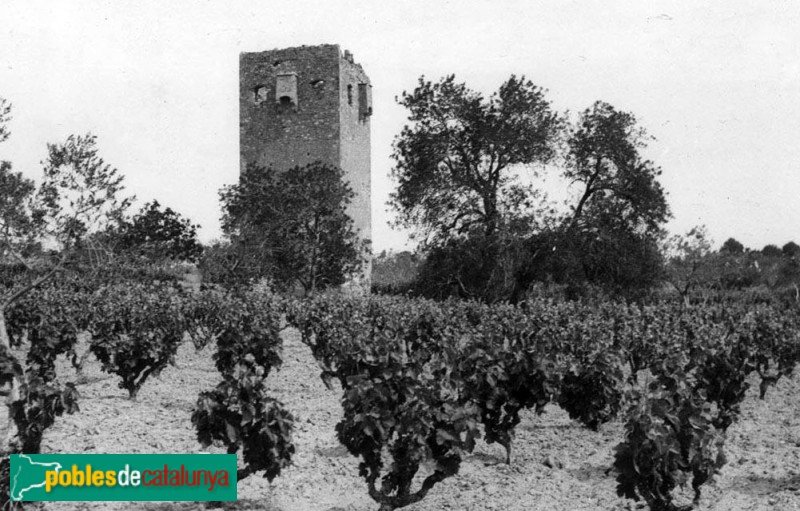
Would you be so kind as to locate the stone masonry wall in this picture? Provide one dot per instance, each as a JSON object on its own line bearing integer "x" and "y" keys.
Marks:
{"x": 355, "y": 142}
{"x": 285, "y": 136}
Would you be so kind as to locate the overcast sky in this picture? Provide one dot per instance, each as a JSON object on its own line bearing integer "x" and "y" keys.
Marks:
{"x": 157, "y": 82}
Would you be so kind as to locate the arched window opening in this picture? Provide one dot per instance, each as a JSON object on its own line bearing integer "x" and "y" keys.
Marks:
{"x": 260, "y": 94}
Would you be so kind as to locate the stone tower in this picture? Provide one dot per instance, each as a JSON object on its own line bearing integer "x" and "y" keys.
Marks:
{"x": 306, "y": 104}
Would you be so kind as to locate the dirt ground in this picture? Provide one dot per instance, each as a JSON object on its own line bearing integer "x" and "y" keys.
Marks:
{"x": 558, "y": 464}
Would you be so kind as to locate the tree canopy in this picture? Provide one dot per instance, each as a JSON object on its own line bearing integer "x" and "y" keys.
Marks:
{"x": 459, "y": 169}
{"x": 791, "y": 249}
{"x": 79, "y": 195}
{"x": 291, "y": 227}
{"x": 732, "y": 246}
{"x": 771, "y": 250}
{"x": 454, "y": 161}
{"x": 604, "y": 160}
{"x": 158, "y": 234}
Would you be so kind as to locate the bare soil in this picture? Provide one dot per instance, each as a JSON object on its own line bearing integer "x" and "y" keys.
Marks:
{"x": 558, "y": 465}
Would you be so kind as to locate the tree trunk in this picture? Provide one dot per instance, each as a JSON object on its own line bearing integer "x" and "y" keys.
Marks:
{"x": 490, "y": 210}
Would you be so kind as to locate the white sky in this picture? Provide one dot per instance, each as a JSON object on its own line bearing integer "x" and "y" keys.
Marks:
{"x": 157, "y": 82}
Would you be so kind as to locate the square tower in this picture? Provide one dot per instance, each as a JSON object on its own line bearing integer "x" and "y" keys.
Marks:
{"x": 306, "y": 104}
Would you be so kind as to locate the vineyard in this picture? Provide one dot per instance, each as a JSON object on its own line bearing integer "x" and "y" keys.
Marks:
{"x": 427, "y": 390}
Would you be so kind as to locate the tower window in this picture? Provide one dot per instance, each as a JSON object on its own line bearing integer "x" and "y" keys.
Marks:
{"x": 364, "y": 101}
{"x": 350, "y": 95}
{"x": 259, "y": 94}
{"x": 286, "y": 89}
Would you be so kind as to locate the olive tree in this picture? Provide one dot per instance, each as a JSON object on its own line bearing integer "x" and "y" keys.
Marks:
{"x": 455, "y": 161}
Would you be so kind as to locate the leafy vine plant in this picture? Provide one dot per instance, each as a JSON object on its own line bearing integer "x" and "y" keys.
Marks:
{"x": 670, "y": 440}
{"x": 239, "y": 414}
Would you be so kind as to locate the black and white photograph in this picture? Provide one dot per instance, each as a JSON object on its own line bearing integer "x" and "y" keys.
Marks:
{"x": 372, "y": 256}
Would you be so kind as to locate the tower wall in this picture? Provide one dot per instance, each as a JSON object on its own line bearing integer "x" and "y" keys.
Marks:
{"x": 354, "y": 141}
{"x": 281, "y": 137}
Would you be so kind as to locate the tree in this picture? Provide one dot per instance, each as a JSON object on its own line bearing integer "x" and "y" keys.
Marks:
{"x": 455, "y": 162}
{"x": 771, "y": 251}
{"x": 732, "y": 247}
{"x": 610, "y": 238}
{"x": 159, "y": 234}
{"x": 79, "y": 195}
{"x": 689, "y": 261}
{"x": 604, "y": 159}
{"x": 458, "y": 168}
{"x": 291, "y": 227}
{"x": 616, "y": 223}
{"x": 791, "y": 249}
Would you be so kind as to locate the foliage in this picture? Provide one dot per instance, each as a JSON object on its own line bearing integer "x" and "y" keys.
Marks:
{"x": 10, "y": 367}
{"x": 732, "y": 246}
{"x": 613, "y": 257}
{"x": 457, "y": 166}
{"x": 771, "y": 251}
{"x": 137, "y": 331}
{"x": 689, "y": 261}
{"x": 157, "y": 234}
{"x": 399, "y": 360}
{"x": 507, "y": 370}
{"x": 239, "y": 413}
{"x": 791, "y": 249}
{"x": 454, "y": 161}
{"x": 51, "y": 317}
{"x": 401, "y": 398}
{"x": 412, "y": 420}
{"x": 247, "y": 327}
{"x": 48, "y": 304}
{"x": 484, "y": 231}
{"x": 19, "y": 216}
{"x": 226, "y": 263}
{"x": 290, "y": 226}
{"x": 464, "y": 267}
{"x": 41, "y": 401}
{"x": 604, "y": 158}
{"x": 80, "y": 193}
{"x": 610, "y": 238}
{"x": 592, "y": 389}
{"x": 37, "y": 404}
{"x": 670, "y": 439}
{"x": 737, "y": 270}
{"x": 394, "y": 273}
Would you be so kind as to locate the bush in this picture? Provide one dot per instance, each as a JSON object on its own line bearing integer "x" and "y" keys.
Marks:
{"x": 138, "y": 331}
{"x": 238, "y": 413}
